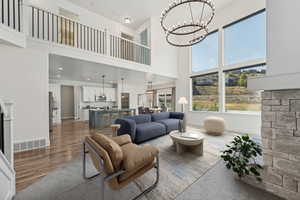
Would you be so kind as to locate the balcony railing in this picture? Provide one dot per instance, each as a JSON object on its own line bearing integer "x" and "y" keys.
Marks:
{"x": 54, "y": 28}
{"x": 10, "y": 13}
{"x": 129, "y": 50}
{"x": 58, "y": 29}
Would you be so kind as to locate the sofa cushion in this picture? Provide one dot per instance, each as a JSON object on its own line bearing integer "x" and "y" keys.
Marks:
{"x": 141, "y": 119}
{"x": 177, "y": 115}
{"x": 171, "y": 124}
{"x": 160, "y": 116}
{"x": 128, "y": 126}
{"x": 150, "y": 130}
{"x": 113, "y": 149}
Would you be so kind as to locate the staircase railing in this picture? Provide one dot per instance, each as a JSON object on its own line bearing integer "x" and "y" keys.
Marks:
{"x": 11, "y": 14}
{"x": 58, "y": 29}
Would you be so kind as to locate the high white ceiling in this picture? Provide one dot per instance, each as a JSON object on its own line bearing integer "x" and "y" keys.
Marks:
{"x": 79, "y": 70}
{"x": 138, "y": 10}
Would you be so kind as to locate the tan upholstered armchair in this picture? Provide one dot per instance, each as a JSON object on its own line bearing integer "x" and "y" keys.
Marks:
{"x": 119, "y": 160}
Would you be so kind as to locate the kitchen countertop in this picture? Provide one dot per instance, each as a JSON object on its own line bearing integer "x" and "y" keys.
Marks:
{"x": 112, "y": 110}
{"x": 103, "y": 118}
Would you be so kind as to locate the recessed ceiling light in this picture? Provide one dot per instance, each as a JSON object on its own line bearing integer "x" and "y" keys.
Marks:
{"x": 88, "y": 79}
{"x": 127, "y": 20}
{"x": 58, "y": 76}
{"x": 60, "y": 69}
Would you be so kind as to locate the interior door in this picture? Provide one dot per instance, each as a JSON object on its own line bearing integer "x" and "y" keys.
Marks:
{"x": 67, "y": 102}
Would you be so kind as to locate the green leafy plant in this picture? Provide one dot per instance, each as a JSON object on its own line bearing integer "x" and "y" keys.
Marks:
{"x": 240, "y": 157}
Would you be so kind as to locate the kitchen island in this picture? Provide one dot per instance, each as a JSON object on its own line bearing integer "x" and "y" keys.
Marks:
{"x": 99, "y": 119}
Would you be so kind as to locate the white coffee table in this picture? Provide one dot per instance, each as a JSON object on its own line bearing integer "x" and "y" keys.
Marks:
{"x": 183, "y": 144}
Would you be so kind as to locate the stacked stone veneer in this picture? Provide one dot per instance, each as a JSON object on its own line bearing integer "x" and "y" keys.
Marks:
{"x": 281, "y": 142}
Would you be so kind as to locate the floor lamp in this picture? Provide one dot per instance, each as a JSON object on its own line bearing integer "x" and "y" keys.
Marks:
{"x": 183, "y": 101}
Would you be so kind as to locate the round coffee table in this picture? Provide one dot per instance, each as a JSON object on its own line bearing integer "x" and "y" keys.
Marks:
{"x": 190, "y": 140}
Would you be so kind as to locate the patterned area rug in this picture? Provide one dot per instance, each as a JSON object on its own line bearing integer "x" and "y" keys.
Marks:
{"x": 177, "y": 172}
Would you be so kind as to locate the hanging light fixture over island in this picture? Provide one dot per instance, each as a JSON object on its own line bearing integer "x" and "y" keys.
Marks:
{"x": 102, "y": 97}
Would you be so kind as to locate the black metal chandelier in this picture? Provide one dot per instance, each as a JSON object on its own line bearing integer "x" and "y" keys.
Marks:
{"x": 193, "y": 29}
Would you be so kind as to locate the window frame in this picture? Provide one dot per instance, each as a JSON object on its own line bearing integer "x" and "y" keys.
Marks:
{"x": 222, "y": 68}
{"x": 212, "y": 67}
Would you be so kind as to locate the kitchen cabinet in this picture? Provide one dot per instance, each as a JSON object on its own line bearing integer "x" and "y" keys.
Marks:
{"x": 110, "y": 94}
{"x": 89, "y": 93}
{"x": 84, "y": 116}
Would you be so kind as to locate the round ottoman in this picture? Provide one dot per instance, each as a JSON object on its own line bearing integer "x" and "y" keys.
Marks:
{"x": 214, "y": 125}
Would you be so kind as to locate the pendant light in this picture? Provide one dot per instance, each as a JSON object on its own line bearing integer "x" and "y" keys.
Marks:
{"x": 122, "y": 89}
{"x": 103, "y": 96}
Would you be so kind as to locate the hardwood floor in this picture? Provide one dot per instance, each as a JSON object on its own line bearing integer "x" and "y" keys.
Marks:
{"x": 66, "y": 144}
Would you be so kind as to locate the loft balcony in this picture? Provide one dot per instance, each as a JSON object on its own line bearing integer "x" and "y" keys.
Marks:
{"x": 49, "y": 27}
{"x": 11, "y": 23}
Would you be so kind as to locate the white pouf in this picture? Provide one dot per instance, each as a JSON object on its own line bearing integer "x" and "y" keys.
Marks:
{"x": 214, "y": 125}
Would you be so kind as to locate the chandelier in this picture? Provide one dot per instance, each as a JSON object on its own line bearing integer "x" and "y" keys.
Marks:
{"x": 194, "y": 16}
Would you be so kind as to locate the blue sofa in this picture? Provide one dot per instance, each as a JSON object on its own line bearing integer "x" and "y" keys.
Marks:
{"x": 145, "y": 127}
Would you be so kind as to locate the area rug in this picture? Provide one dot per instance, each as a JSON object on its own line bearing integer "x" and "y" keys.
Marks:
{"x": 177, "y": 173}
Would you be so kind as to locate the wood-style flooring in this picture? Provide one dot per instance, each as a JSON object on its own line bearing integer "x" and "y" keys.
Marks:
{"x": 65, "y": 145}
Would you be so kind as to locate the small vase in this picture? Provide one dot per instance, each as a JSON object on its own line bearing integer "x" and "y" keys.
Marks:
{"x": 184, "y": 125}
{"x": 181, "y": 126}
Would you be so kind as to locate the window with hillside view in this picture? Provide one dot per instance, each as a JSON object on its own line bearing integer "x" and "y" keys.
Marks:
{"x": 206, "y": 92}
{"x": 242, "y": 56}
{"x": 237, "y": 96}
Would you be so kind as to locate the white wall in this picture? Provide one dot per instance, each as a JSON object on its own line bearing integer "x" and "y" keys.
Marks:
{"x": 246, "y": 123}
{"x": 24, "y": 81}
{"x": 163, "y": 55}
{"x": 283, "y": 37}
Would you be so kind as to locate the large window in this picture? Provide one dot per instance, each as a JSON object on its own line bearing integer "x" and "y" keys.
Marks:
{"x": 205, "y": 92}
{"x": 246, "y": 39}
{"x": 205, "y": 54}
{"x": 242, "y": 56}
{"x": 237, "y": 96}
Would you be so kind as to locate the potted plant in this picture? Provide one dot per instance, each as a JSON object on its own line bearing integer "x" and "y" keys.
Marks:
{"x": 240, "y": 157}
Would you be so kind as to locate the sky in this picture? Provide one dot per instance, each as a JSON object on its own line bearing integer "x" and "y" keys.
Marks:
{"x": 245, "y": 40}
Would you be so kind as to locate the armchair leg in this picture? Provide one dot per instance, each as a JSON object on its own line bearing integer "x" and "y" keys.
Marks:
{"x": 84, "y": 165}
{"x": 149, "y": 189}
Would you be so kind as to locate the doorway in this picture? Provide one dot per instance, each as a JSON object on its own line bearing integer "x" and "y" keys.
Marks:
{"x": 125, "y": 98}
{"x": 67, "y": 102}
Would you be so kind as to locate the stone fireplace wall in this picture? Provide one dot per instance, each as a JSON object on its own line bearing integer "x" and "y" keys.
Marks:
{"x": 281, "y": 142}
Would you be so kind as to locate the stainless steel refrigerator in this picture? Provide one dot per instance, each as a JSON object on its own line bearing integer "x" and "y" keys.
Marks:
{"x": 51, "y": 111}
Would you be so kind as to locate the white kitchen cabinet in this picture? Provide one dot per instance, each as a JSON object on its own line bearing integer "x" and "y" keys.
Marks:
{"x": 110, "y": 94}
{"x": 84, "y": 116}
{"x": 89, "y": 93}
